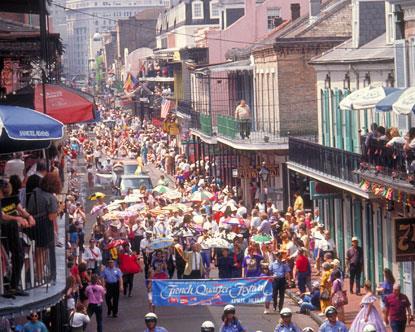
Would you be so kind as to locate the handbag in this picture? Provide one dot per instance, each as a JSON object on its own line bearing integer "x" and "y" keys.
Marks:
{"x": 339, "y": 298}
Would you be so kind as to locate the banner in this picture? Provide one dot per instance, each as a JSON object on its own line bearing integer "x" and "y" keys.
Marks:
{"x": 186, "y": 292}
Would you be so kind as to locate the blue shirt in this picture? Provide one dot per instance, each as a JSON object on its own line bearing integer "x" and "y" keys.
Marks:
{"x": 111, "y": 276}
{"x": 235, "y": 326}
{"x": 327, "y": 327}
{"x": 287, "y": 328}
{"x": 157, "y": 329}
{"x": 279, "y": 269}
{"x": 35, "y": 327}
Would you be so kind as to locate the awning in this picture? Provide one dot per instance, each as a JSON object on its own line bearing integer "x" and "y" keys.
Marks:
{"x": 65, "y": 104}
{"x": 228, "y": 66}
{"x": 365, "y": 98}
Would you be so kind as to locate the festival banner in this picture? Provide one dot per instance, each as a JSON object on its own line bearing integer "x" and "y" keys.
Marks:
{"x": 186, "y": 292}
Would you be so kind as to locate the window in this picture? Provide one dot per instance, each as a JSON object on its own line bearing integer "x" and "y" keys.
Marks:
{"x": 197, "y": 9}
{"x": 272, "y": 14}
{"x": 214, "y": 10}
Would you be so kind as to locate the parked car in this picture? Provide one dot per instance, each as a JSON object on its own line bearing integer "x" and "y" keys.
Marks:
{"x": 133, "y": 182}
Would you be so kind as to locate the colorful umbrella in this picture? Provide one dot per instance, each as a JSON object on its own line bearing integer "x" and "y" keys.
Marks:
{"x": 161, "y": 243}
{"x": 96, "y": 195}
{"x": 97, "y": 209}
{"x": 115, "y": 243}
{"x": 200, "y": 196}
{"x": 234, "y": 221}
{"x": 161, "y": 189}
{"x": 262, "y": 238}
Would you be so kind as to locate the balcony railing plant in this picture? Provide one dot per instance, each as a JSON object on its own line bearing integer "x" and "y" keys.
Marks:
{"x": 330, "y": 161}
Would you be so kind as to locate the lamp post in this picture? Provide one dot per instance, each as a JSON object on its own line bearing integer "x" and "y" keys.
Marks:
{"x": 264, "y": 174}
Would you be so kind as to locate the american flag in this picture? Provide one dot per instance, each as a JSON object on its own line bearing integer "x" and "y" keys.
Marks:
{"x": 166, "y": 106}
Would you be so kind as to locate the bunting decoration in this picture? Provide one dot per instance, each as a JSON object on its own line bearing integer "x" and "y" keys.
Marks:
{"x": 388, "y": 193}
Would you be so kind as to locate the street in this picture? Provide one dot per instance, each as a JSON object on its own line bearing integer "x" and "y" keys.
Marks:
{"x": 183, "y": 319}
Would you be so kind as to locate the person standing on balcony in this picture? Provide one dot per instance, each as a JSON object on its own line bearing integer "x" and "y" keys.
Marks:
{"x": 243, "y": 116}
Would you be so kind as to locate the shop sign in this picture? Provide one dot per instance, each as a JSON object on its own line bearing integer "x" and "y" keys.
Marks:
{"x": 405, "y": 239}
{"x": 249, "y": 172}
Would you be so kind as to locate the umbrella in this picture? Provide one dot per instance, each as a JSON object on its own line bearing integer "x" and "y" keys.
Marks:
{"x": 96, "y": 195}
{"x": 161, "y": 189}
{"x": 406, "y": 102}
{"x": 136, "y": 207}
{"x": 227, "y": 206}
{"x": 115, "y": 243}
{"x": 234, "y": 221}
{"x": 198, "y": 219}
{"x": 365, "y": 98}
{"x": 217, "y": 243}
{"x": 133, "y": 198}
{"x": 386, "y": 104}
{"x": 262, "y": 238}
{"x": 97, "y": 208}
{"x": 21, "y": 123}
{"x": 161, "y": 243}
{"x": 200, "y": 195}
{"x": 216, "y": 207}
{"x": 172, "y": 194}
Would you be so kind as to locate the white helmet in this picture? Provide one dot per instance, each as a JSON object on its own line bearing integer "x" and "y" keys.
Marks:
{"x": 369, "y": 328}
{"x": 207, "y": 326}
{"x": 286, "y": 312}
{"x": 150, "y": 317}
{"x": 229, "y": 308}
{"x": 308, "y": 329}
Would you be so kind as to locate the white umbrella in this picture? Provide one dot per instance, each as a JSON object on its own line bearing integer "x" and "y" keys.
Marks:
{"x": 228, "y": 205}
{"x": 217, "y": 242}
{"x": 406, "y": 102}
{"x": 365, "y": 98}
{"x": 133, "y": 198}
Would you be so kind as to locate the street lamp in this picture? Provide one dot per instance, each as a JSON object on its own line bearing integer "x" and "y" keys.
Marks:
{"x": 346, "y": 82}
{"x": 390, "y": 81}
{"x": 327, "y": 82}
{"x": 366, "y": 81}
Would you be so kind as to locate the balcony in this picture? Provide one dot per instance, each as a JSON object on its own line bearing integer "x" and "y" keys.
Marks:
{"x": 329, "y": 165}
{"x": 391, "y": 165}
{"x": 45, "y": 283}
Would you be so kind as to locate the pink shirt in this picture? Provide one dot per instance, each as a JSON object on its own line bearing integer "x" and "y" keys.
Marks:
{"x": 95, "y": 294}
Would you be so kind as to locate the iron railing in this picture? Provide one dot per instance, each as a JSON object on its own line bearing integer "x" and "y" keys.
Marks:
{"x": 330, "y": 161}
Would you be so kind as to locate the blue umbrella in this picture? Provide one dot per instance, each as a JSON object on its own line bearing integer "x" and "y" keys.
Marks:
{"x": 21, "y": 123}
{"x": 385, "y": 105}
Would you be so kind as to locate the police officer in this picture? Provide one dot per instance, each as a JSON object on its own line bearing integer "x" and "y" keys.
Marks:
{"x": 281, "y": 273}
{"x": 286, "y": 325}
{"x": 331, "y": 324}
{"x": 151, "y": 322}
{"x": 369, "y": 328}
{"x": 207, "y": 326}
{"x": 308, "y": 329}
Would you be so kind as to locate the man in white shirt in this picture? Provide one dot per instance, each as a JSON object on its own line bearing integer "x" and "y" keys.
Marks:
{"x": 194, "y": 264}
{"x": 326, "y": 245}
{"x": 93, "y": 257}
{"x": 147, "y": 251}
{"x": 15, "y": 166}
{"x": 242, "y": 210}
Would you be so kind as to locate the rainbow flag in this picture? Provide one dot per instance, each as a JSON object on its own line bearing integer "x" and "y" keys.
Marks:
{"x": 130, "y": 83}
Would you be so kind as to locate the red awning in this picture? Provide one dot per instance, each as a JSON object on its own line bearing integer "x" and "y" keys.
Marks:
{"x": 64, "y": 104}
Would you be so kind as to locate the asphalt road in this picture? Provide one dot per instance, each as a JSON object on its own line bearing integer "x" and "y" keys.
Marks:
{"x": 182, "y": 319}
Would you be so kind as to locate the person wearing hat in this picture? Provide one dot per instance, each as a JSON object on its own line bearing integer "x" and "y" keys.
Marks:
{"x": 281, "y": 273}
{"x": 286, "y": 324}
{"x": 331, "y": 324}
{"x": 354, "y": 260}
{"x": 151, "y": 323}
{"x": 311, "y": 302}
{"x": 34, "y": 324}
{"x": 112, "y": 277}
{"x": 230, "y": 322}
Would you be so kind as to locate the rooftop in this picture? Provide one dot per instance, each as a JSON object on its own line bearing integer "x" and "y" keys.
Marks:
{"x": 374, "y": 51}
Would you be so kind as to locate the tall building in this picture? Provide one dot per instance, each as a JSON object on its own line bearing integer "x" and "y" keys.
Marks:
{"x": 84, "y": 18}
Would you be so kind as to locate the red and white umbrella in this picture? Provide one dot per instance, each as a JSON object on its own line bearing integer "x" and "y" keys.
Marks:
{"x": 234, "y": 221}
{"x": 200, "y": 196}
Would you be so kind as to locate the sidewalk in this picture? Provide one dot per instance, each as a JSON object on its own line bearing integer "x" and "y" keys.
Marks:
{"x": 351, "y": 309}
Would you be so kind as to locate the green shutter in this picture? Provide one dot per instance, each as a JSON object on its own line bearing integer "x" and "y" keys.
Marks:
{"x": 338, "y": 125}
{"x": 326, "y": 117}
{"x": 388, "y": 120}
{"x": 379, "y": 224}
{"x": 339, "y": 228}
{"x": 357, "y": 218}
{"x": 355, "y": 132}
{"x": 348, "y": 130}
{"x": 366, "y": 122}
{"x": 369, "y": 243}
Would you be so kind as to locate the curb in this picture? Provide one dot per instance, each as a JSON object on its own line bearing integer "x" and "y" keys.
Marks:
{"x": 314, "y": 316}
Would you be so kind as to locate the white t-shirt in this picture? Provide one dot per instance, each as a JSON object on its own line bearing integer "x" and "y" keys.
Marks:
{"x": 79, "y": 319}
{"x": 14, "y": 167}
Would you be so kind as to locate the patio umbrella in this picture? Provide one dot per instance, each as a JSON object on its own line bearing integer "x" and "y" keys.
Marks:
{"x": 406, "y": 102}
{"x": 200, "y": 196}
{"x": 161, "y": 189}
{"x": 97, "y": 208}
{"x": 198, "y": 219}
{"x": 385, "y": 105}
{"x": 133, "y": 198}
{"x": 172, "y": 194}
{"x": 228, "y": 206}
{"x": 262, "y": 238}
{"x": 161, "y": 243}
{"x": 136, "y": 207}
{"x": 96, "y": 195}
{"x": 365, "y": 98}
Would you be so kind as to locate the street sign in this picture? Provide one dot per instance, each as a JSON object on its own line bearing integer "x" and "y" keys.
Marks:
{"x": 405, "y": 239}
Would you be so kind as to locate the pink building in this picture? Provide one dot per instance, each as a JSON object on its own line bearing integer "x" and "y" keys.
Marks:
{"x": 260, "y": 18}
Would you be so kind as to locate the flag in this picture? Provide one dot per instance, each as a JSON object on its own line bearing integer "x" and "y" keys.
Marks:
{"x": 130, "y": 83}
{"x": 166, "y": 106}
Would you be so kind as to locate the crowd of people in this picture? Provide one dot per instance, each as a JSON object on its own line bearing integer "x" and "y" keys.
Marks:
{"x": 189, "y": 226}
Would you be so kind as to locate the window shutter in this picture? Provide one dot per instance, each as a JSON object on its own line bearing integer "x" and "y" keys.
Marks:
{"x": 401, "y": 66}
{"x": 326, "y": 111}
{"x": 338, "y": 120}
